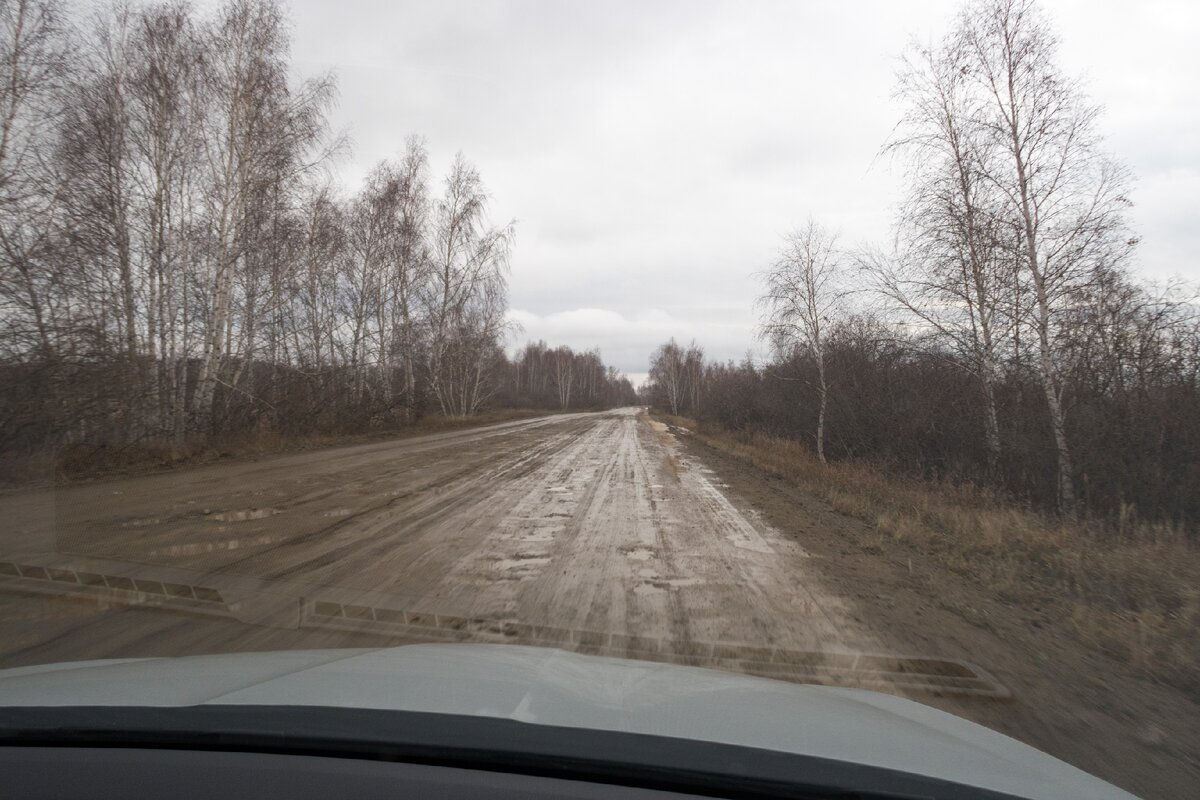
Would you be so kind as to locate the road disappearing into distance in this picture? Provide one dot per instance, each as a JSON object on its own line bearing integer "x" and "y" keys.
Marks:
{"x": 591, "y": 532}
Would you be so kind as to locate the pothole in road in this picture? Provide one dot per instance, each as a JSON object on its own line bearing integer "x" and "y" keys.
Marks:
{"x": 200, "y": 548}
{"x": 523, "y": 565}
{"x": 638, "y": 553}
{"x": 241, "y": 516}
{"x": 520, "y": 557}
{"x": 661, "y": 585}
{"x": 141, "y": 523}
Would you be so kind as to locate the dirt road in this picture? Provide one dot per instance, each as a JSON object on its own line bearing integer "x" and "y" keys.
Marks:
{"x": 605, "y": 533}
{"x": 589, "y": 531}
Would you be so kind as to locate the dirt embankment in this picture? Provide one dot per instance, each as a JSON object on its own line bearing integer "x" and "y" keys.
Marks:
{"x": 1083, "y": 694}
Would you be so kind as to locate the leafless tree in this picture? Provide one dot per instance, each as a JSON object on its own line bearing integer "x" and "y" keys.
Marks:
{"x": 33, "y": 67}
{"x": 542, "y": 377}
{"x": 693, "y": 370}
{"x": 177, "y": 261}
{"x": 1010, "y": 278}
{"x": 261, "y": 133}
{"x": 949, "y": 270}
{"x": 410, "y": 260}
{"x": 801, "y": 296}
{"x": 467, "y": 294}
{"x": 1062, "y": 196}
{"x": 563, "y": 362}
{"x": 668, "y": 371}
{"x": 165, "y": 112}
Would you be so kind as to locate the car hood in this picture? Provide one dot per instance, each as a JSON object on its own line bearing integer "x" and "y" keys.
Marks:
{"x": 552, "y": 687}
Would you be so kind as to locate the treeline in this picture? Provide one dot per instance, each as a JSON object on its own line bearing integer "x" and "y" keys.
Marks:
{"x": 177, "y": 259}
{"x": 539, "y": 376}
{"x": 1003, "y": 339}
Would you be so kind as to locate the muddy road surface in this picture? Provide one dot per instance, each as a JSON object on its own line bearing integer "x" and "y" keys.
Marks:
{"x": 592, "y": 532}
{"x": 604, "y": 533}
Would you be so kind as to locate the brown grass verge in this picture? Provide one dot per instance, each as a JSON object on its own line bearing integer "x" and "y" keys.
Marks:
{"x": 83, "y": 462}
{"x": 1126, "y": 588}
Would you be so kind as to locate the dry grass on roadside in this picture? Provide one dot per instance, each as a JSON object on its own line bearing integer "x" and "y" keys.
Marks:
{"x": 85, "y": 461}
{"x": 1127, "y": 588}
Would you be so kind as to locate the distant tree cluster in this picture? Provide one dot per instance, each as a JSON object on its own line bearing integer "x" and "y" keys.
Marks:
{"x": 175, "y": 258}
{"x": 676, "y": 379}
{"x": 539, "y": 376}
{"x": 1002, "y": 339}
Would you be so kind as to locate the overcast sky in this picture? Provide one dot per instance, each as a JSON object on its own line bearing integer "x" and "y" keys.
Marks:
{"x": 653, "y": 153}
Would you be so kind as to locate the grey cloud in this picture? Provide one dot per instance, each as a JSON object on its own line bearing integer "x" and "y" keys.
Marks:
{"x": 653, "y": 153}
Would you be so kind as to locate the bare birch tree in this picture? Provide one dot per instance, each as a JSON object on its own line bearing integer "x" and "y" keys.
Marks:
{"x": 33, "y": 66}
{"x": 261, "y": 133}
{"x": 949, "y": 270}
{"x": 668, "y": 370}
{"x": 563, "y": 361}
{"x": 467, "y": 293}
{"x": 1063, "y": 197}
{"x": 410, "y": 263}
{"x": 176, "y": 262}
{"x": 801, "y": 296}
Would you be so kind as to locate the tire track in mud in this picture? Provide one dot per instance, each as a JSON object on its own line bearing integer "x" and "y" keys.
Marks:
{"x": 409, "y": 479}
{"x": 461, "y": 494}
{"x": 417, "y": 496}
{"x": 541, "y": 513}
{"x": 638, "y": 543}
{"x": 589, "y": 523}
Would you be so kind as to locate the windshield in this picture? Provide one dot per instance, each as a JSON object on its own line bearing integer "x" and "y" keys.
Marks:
{"x": 820, "y": 342}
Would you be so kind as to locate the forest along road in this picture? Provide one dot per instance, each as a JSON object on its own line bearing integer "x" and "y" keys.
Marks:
{"x": 587, "y": 531}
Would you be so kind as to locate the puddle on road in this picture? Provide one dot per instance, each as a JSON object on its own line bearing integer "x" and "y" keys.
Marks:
{"x": 241, "y": 516}
{"x": 338, "y": 512}
{"x": 140, "y": 523}
{"x": 200, "y": 548}
{"x": 661, "y": 585}
{"x": 523, "y": 565}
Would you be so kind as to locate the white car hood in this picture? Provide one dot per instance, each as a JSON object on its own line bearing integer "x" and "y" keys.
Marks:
{"x": 552, "y": 687}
